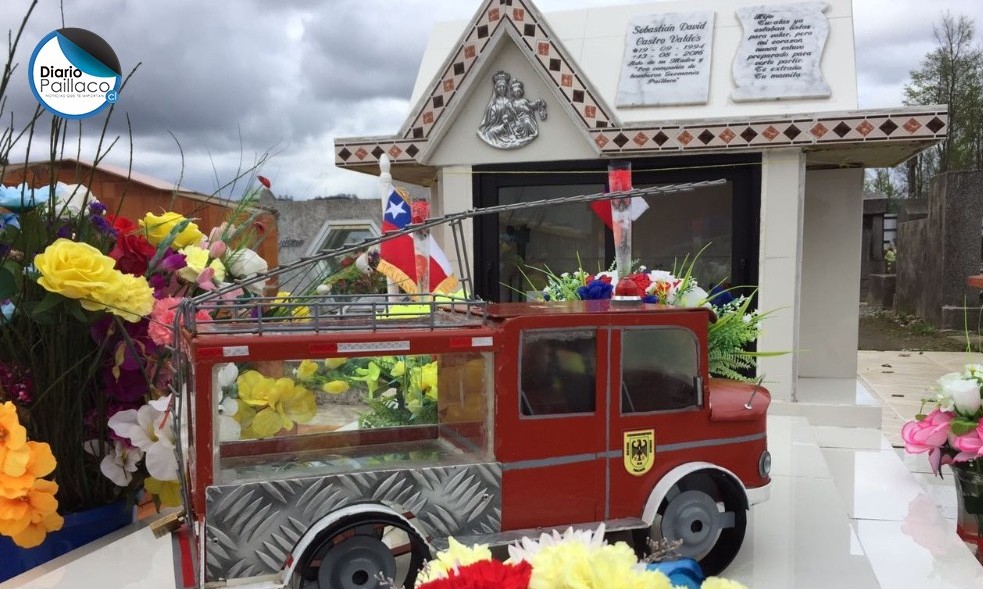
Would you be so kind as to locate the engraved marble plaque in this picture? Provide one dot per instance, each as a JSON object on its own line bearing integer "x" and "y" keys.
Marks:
{"x": 781, "y": 52}
{"x": 667, "y": 60}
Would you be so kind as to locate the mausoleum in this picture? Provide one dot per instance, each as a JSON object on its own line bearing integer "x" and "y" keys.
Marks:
{"x": 517, "y": 105}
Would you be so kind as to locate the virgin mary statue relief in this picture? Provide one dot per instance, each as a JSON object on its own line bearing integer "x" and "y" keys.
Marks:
{"x": 510, "y": 118}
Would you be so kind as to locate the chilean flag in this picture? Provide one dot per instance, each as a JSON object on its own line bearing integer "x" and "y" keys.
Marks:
{"x": 398, "y": 257}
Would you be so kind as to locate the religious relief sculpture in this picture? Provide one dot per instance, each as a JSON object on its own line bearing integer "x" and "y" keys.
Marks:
{"x": 510, "y": 118}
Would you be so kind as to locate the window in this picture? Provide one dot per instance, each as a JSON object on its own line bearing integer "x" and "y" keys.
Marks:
{"x": 557, "y": 372}
{"x": 659, "y": 370}
{"x": 336, "y": 234}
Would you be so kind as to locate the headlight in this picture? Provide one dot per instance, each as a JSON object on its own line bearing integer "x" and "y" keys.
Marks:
{"x": 764, "y": 464}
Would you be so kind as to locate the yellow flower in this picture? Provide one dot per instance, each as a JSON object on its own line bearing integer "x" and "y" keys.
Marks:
{"x": 425, "y": 379}
{"x": 332, "y": 363}
{"x": 335, "y": 387}
{"x": 40, "y": 463}
{"x": 457, "y": 555}
{"x": 399, "y": 369}
{"x": 77, "y": 271}
{"x": 14, "y": 451}
{"x": 196, "y": 260}
{"x": 131, "y": 298}
{"x": 306, "y": 370}
{"x": 569, "y": 565}
{"x": 168, "y": 492}
{"x": 28, "y": 519}
{"x": 278, "y": 403}
{"x": 157, "y": 228}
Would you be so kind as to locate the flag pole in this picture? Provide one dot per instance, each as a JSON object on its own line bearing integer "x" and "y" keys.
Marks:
{"x": 385, "y": 189}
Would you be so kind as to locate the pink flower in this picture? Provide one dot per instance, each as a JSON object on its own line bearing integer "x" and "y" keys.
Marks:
{"x": 928, "y": 435}
{"x": 162, "y": 318}
{"x": 970, "y": 445}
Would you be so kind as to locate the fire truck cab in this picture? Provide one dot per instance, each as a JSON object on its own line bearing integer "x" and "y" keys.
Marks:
{"x": 547, "y": 415}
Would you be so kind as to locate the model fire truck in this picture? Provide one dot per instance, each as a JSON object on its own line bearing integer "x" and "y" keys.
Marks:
{"x": 363, "y": 434}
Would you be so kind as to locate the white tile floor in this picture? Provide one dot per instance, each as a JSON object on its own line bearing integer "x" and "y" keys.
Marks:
{"x": 844, "y": 511}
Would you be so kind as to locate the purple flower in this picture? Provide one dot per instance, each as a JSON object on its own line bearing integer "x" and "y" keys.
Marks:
{"x": 16, "y": 381}
{"x": 172, "y": 261}
{"x": 97, "y": 208}
{"x": 595, "y": 290}
{"x": 102, "y": 225}
{"x": 64, "y": 231}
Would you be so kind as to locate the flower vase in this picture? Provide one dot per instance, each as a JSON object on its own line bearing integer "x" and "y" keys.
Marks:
{"x": 969, "y": 500}
{"x": 79, "y": 529}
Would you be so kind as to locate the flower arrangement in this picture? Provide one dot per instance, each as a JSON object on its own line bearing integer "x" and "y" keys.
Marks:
{"x": 356, "y": 275}
{"x": 572, "y": 560}
{"x": 397, "y": 390}
{"x": 952, "y": 432}
{"x": 86, "y": 336}
{"x": 730, "y": 337}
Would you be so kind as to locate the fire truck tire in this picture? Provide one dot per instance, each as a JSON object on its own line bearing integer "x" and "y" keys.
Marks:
{"x": 707, "y": 515}
{"x": 358, "y": 552}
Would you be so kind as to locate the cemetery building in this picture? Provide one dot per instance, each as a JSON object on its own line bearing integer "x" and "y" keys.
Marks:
{"x": 516, "y": 105}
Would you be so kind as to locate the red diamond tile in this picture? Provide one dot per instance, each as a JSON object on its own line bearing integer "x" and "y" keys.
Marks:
{"x": 727, "y": 135}
{"x": 395, "y": 151}
{"x": 865, "y": 128}
{"x": 543, "y": 48}
{"x": 590, "y": 111}
{"x": 493, "y": 15}
{"x": 912, "y": 125}
{"x": 518, "y": 14}
{"x": 361, "y": 153}
{"x": 640, "y": 139}
{"x": 770, "y": 133}
{"x": 449, "y": 85}
{"x": 427, "y": 117}
{"x": 819, "y": 130}
{"x": 685, "y": 137}
{"x": 469, "y": 52}
{"x": 566, "y": 80}
{"x": 601, "y": 140}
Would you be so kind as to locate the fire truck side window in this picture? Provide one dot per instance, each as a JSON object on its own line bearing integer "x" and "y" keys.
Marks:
{"x": 557, "y": 372}
{"x": 659, "y": 369}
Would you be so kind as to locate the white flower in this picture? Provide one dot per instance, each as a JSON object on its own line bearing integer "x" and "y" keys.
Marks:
{"x": 973, "y": 371}
{"x": 661, "y": 276}
{"x": 245, "y": 263}
{"x": 120, "y": 464}
{"x": 525, "y": 548}
{"x": 227, "y": 375}
{"x": 693, "y": 297}
{"x": 69, "y": 198}
{"x": 965, "y": 394}
{"x": 149, "y": 429}
{"x": 229, "y": 429}
{"x": 323, "y": 289}
{"x": 362, "y": 263}
{"x": 944, "y": 402}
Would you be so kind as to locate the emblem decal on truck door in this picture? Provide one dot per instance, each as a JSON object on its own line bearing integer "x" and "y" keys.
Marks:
{"x": 639, "y": 451}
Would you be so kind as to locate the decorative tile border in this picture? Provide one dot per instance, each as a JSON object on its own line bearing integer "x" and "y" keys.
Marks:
{"x": 528, "y": 25}
{"x": 856, "y": 127}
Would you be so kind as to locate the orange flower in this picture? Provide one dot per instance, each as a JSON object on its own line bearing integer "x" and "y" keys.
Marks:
{"x": 27, "y": 520}
{"x": 14, "y": 452}
{"x": 40, "y": 463}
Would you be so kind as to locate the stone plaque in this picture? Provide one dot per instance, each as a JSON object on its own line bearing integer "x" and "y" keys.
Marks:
{"x": 781, "y": 52}
{"x": 667, "y": 60}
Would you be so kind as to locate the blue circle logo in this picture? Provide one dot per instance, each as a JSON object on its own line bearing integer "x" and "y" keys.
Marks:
{"x": 74, "y": 73}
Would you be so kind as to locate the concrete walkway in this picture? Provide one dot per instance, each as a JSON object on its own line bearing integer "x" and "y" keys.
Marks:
{"x": 900, "y": 380}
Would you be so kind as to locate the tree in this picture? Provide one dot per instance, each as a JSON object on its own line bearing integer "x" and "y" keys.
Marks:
{"x": 951, "y": 74}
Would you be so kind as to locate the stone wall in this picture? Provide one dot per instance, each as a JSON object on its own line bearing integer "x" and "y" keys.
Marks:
{"x": 937, "y": 251}
{"x": 301, "y": 221}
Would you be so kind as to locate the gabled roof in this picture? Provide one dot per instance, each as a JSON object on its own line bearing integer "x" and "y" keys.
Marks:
{"x": 523, "y": 22}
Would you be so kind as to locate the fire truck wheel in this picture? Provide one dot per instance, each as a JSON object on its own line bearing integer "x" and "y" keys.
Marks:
{"x": 707, "y": 516}
{"x": 367, "y": 553}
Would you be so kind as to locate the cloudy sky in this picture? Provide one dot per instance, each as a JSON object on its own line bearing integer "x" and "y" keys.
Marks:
{"x": 232, "y": 80}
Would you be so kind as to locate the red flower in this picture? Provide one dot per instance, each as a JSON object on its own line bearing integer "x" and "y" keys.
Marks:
{"x": 420, "y": 210}
{"x": 132, "y": 253}
{"x": 122, "y": 225}
{"x": 264, "y": 181}
{"x": 642, "y": 280}
{"x": 485, "y": 574}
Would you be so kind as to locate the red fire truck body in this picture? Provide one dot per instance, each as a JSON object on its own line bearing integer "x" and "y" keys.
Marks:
{"x": 547, "y": 415}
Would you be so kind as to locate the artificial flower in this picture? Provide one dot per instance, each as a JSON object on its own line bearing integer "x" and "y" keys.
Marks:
{"x": 70, "y": 199}
{"x": 964, "y": 392}
{"x": 197, "y": 260}
{"x": 120, "y": 463}
{"x": 130, "y": 298}
{"x": 306, "y": 370}
{"x": 484, "y": 574}
{"x": 167, "y": 492}
{"x": 158, "y": 227}
{"x": 132, "y": 253}
{"x": 27, "y": 520}
{"x": 332, "y": 363}
{"x": 457, "y": 555}
{"x": 335, "y": 387}
{"x": 14, "y": 451}
{"x": 162, "y": 317}
{"x": 76, "y": 271}
{"x": 970, "y": 445}
{"x": 149, "y": 429}
{"x": 721, "y": 583}
{"x": 278, "y": 403}
{"x": 928, "y": 435}
{"x": 243, "y": 264}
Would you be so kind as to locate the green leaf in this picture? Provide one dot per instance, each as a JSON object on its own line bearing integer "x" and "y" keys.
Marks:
{"x": 8, "y": 283}
{"x": 962, "y": 426}
{"x": 46, "y": 311}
